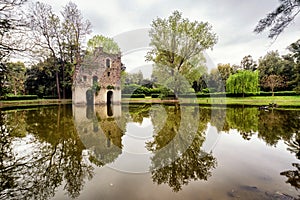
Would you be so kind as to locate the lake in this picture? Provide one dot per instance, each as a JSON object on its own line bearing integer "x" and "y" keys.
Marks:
{"x": 149, "y": 151}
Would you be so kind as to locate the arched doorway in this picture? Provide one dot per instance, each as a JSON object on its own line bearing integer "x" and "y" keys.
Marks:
{"x": 89, "y": 97}
{"x": 109, "y": 99}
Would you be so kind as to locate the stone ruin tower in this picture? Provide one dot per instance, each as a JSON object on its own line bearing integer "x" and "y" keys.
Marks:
{"x": 98, "y": 79}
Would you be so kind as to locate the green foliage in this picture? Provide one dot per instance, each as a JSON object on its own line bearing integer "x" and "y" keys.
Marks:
{"x": 41, "y": 79}
{"x": 110, "y": 87}
{"x": 137, "y": 89}
{"x": 50, "y": 97}
{"x": 155, "y": 95}
{"x": 16, "y": 77}
{"x": 129, "y": 89}
{"x": 205, "y": 90}
{"x": 133, "y": 96}
{"x": 20, "y": 97}
{"x": 96, "y": 88}
{"x": 245, "y": 120}
{"x": 297, "y": 89}
{"x": 243, "y": 82}
{"x": 108, "y": 44}
{"x": 177, "y": 50}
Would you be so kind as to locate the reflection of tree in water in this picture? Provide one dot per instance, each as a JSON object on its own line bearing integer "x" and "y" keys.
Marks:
{"x": 271, "y": 126}
{"x": 176, "y": 159}
{"x": 139, "y": 111}
{"x": 293, "y": 176}
{"x": 53, "y": 156}
{"x": 278, "y": 124}
{"x": 217, "y": 119}
{"x": 294, "y": 144}
{"x": 245, "y": 120}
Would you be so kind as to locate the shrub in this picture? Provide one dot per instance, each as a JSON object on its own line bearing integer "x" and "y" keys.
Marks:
{"x": 129, "y": 89}
{"x": 50, "y": 97}
{"x": 133, "y": 96}
{"x": 205, "y": 90}
{"x": 155, "y": 95}
{"x": 110, "y": 87}
{"x": 137, "y": 89}
{"x": 20, "y": 97}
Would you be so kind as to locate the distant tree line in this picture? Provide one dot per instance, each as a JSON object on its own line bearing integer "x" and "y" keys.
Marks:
{"x": 275, "y": 73}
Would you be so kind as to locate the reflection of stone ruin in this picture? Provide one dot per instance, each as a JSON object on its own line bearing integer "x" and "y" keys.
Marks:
{"x": 100, "y": 130}
{"x": 97, "y": 80}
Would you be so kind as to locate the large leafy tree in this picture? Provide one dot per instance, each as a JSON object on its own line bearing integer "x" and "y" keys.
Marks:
{"x": 280, "y": 66}
{"x": 244, "y": 81}
{"x": 270, "y": 64}
{"x": 177, "y": 47}
{"x": 280, "y": 18}
{"x": 108, "y": 44}
{"x": 40, "y": 79}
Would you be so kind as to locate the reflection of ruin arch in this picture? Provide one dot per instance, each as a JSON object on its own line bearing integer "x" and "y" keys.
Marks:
{"x": 101, "y": 135}
{"x": 109, "y": 99}
{"x": 89, "y": 97}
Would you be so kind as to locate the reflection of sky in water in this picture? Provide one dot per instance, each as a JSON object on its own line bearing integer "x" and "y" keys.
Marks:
{"x": 135, "y": 157}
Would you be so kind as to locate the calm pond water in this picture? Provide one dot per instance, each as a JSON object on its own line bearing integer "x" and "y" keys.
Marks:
{"x": 149, "y": 152}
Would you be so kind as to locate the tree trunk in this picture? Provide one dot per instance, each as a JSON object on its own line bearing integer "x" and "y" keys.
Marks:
{"x": 57, "y": 85}
{"x": 63, "y": 78}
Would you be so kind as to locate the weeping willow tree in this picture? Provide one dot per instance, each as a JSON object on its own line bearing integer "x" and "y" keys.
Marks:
{"x": 243, "y": 82}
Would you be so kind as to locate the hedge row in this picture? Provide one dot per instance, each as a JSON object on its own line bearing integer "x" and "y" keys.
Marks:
{"x": 133, "y": 96}
{"x": 224, "y": 94}
{"x": 19, "y": 97}
{"x": 50, "y": 97}
{"x": 155, "y": 95}
{"x": 208, "y": 95}
{"x": 137, "y": 89}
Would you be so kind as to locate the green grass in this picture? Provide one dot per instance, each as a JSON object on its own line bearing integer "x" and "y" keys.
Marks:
{"x": 281, "y": 101}
{"x": 35, "y": 102}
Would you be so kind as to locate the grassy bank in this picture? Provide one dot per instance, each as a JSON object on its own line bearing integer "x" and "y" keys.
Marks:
{"x": 35, "y": 102}
{"x": 281, "y": 101}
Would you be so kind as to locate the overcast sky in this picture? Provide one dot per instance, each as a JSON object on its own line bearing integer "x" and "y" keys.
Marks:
{"x": 232, "y": 20}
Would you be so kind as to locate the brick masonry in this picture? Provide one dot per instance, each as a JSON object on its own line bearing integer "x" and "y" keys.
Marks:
{"x": 100, "y": 69}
